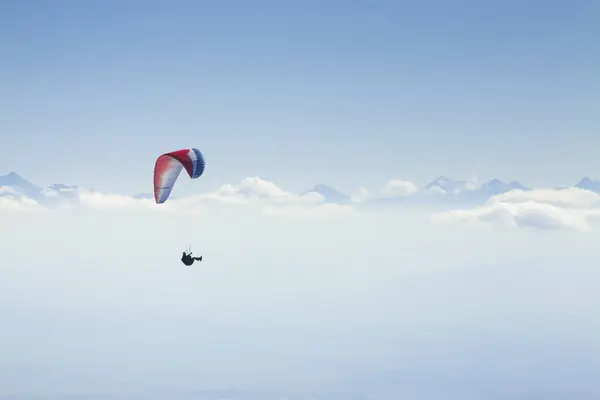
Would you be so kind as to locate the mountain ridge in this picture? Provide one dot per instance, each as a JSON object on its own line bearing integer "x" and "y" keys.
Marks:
{"x": 439, "y": 190}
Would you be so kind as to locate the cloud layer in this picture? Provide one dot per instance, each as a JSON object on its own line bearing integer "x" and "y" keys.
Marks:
{"x": 543, "y": 209}
{"x": 251, "y": 193}
{"x": 365, "y": 301}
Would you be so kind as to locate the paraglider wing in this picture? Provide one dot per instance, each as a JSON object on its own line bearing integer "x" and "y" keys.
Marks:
{"x": 168, "y": 167}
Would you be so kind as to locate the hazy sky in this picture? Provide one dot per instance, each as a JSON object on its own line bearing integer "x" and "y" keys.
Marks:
{"x": 301, "y": 92}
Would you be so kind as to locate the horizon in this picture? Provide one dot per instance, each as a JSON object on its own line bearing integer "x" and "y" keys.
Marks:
{"x": 187, "y": 189}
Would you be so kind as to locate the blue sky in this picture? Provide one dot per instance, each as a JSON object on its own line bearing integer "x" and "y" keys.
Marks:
{"x": 301, "y": 92}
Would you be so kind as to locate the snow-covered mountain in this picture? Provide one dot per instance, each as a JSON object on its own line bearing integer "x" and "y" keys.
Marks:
{"x": 496, "y": 186}
{"x": 468, "y": 190}
{"x": 442, "y": 191}
{"x": 588, "y": 184}
{"x": 447, "y": 186}
{"x": 330, "y": 194}
{"x": 446, "y": 191}
{"x": 489, "y": 189}
{"x": 13, "y": 185}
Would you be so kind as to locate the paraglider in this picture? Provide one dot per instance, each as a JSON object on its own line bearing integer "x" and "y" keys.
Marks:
{"x": 167, "y": 168}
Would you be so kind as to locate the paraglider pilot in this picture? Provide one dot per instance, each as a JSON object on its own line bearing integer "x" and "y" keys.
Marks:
{"x": 188, "y": 260}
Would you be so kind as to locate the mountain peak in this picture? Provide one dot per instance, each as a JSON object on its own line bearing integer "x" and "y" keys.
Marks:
{"x": 330, "y": 194}
{"x": 10, "y": 179}
{"x": 441, "y": 180}
{"x": 322, "y": 186}
{"x": 16, "y": 182}
{"x": 448, "y": 186}
{"x": 585, "y": 181}
{"x": 518, "y": 185}
{"x": 588, "y": 184}
{"x": 494, "y": 183}
{"x": 497, "y": 186}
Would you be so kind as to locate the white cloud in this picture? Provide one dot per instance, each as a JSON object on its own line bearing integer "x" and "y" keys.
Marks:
{"x": 259, "y": 195}
{"x": 9, "y": 191}
{"x": 323, "y": 210}
{"x": 393, "y": 188}
{"x": 19, "y": 203}
{"x": 99, "y": 200}
{"x": 567, "y": 198}
{"x": 310, "y": 290}
{"x": 361, "y": 195}
{"x": 546, "y": 209}
{"x": 251, "y": 193}
{"x": 254, "y": 190}
{"x": 398, "y": 187}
